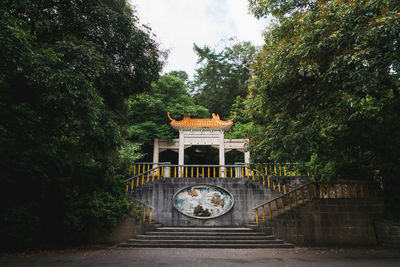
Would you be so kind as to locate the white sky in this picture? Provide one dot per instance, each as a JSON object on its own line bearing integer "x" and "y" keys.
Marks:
{"x": 178, "y": 24}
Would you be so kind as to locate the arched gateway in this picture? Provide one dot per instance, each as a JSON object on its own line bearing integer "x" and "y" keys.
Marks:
{"x": 201, "y": 132}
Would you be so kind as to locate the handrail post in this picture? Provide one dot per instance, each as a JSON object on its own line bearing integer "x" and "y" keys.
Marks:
{"x": 334, "y": 188}
{"x": 150, "y": 215}
{"x": 257, "y": 216}
{"x": 321, "y": 191}
{"x": 263, "y": 214}
{"x": 355, "y": 191}
{"x": 328, "y": 189}
{"x": 349, "y": 190}
{"x": 361, "y": 191}
{"x": 342, "y": 191}
{"x": 270, "y": 210}
{"x": 315, "y": 190}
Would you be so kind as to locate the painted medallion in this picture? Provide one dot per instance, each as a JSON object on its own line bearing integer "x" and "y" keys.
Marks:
{"x": 203, "y": 201}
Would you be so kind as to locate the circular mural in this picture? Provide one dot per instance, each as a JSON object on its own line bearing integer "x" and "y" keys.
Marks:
{"x": 203, "y": 201}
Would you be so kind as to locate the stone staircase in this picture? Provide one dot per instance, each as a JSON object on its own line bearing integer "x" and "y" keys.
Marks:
{"x": 206, "y": 237}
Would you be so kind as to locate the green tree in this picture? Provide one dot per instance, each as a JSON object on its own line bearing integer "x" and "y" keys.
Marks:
{"x": 148, "y": 111}
{"x": 67, "y": 68}
{"x": 326, "y": 88}
{"x": 222, "y": 76}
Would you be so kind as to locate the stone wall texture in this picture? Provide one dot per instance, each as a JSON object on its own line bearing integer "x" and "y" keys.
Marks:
{"x": 388, "y": 233}
{"x": 330, "y": 222}
{"x": 246, "y": 193}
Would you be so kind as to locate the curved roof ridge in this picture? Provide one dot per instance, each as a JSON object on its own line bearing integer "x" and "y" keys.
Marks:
{"x": 214, "y": 123}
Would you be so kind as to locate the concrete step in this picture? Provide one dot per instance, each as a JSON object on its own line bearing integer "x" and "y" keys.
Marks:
{"x": 204, "y": 229}
{"x": 201, "y": 241}
{"x": 202, "y": 233}
{"x": 194, "y": 245}
{"x": 205, "y": 237}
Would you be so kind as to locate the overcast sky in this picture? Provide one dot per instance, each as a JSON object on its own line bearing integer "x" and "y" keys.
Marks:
{"x": 178, "y": 24}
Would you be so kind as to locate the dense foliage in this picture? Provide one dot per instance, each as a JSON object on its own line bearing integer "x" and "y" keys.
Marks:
{"x": 67, "y": 69}
{"x": 326, "y": 88}
{"x": 222, "y": 76}
{"x": 148, "y": 111}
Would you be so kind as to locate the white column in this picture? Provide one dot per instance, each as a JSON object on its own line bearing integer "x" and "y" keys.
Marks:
{"x": 247, "y": 157}
{"x": 181, "y": 156}
{"x": 246, "y": 152}
{"x": 222, "y": 152}
{"x": 156, "y": 152}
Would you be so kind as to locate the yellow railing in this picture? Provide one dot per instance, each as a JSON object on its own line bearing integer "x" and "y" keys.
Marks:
{"x": 294, "y": 198}
{"x": 280, "y": 169}
{"x": 147, "y": 173}
{"x": 140, "y": 167}
{"x": 140, "y": 210}
{"x": 144, "y": 174}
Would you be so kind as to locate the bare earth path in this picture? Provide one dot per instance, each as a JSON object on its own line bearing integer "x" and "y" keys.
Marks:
{"x": 299, "y": 256}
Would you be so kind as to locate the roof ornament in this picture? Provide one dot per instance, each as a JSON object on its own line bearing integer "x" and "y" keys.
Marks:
{"x": 188, "y": 123}
{"x": 170, "y": 117}
{"x": 234, "y": 116}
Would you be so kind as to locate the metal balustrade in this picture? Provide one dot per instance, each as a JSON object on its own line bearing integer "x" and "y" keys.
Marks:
{"x": 308, "y": 192}
{"x": 146, "y": 173}
{"x": 141, "y": 210}
{"x": 280, "y": 169}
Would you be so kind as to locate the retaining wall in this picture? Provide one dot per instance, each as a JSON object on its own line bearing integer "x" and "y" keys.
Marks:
{"x": 246, "y": 193}
{"x": 330, "y": 222}
{"x": 388, "y": 233}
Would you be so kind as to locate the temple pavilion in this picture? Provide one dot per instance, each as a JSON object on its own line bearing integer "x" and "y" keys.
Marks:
{"x": 201, "y": 132}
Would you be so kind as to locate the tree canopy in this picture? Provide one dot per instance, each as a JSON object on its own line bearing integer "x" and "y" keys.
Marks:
{"x": 222, "y": 76}
{"x": 67, "y": 70}
{"x": 148, "y": 111}
{"x": 326, "y": 88}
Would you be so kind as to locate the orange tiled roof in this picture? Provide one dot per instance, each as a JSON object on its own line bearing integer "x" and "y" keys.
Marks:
{"x": 215, "y": 123}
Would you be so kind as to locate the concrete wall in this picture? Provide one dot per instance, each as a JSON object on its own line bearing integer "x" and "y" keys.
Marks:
{"x": 246, "y": 193}
{"x": 388, "y": 233}
{"x": 127, "y": 227}
{"x": 330, "y": 222}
